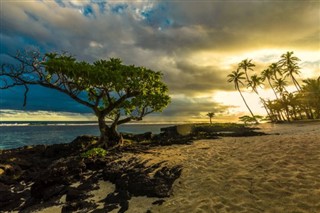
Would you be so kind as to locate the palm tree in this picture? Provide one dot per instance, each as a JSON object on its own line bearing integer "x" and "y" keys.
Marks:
{"x": 275, "y": 69}
{"x": 210, "y": 115}
{"x": 274, "y": 113}
{"x": 293, "y": 102}
{"x": 236, "y": 77}
{"x": 289, "y": 64}
{"x": 246, "y": 65}
{"x": 280, "y": 85}
{"x": 254, "y": 83}
{"x": 311, "y": 94}
{"x": 268, "y": 74}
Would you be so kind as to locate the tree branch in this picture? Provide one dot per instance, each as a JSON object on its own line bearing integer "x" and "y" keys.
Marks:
{"x": 25, "y": 95}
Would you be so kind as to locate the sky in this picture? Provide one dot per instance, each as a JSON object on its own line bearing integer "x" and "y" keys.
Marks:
{"x": 195, "y": 43}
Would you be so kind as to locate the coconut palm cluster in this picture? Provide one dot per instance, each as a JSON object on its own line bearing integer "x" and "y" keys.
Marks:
{"x": 302, "y": 103}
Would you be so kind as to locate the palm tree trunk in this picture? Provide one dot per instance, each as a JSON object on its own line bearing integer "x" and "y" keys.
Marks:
{"x": 247, "y": 105}
{"x": 263, "y": 102}
{"x": 245, "y": 71}
{"x": 296, "y": 84}
{"x": 272, "y": 88}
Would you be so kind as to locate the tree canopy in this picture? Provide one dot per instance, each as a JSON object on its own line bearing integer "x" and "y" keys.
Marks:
{"x": 114, "y": 91}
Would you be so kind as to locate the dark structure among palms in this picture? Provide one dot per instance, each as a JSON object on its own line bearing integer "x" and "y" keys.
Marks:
{"x": 236, "y": 77}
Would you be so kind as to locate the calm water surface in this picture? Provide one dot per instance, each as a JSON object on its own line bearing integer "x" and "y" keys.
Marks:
{"x": 13, "y": 135}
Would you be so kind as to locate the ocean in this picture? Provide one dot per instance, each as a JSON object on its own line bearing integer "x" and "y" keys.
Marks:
{"x": 18, "y": 134}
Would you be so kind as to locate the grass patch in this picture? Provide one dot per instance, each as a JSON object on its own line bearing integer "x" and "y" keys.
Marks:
{"x": 94, "y": 152}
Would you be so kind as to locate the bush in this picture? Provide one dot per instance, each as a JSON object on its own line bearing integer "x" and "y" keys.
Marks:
{"x": 217, "y": 127}
{"x": 247, "y": 119}
{"x": 95, "y": 152}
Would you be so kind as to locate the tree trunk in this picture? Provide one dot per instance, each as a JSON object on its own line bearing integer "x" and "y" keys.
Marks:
{"x": 273, "y": 89}
{"x": 296, "y": 84}
{"x": 280, "y": 115}
{"x": 311, "y": 113}
{"x": 317, "y": 113}
{"x": 108, "y": 135}
{"x": 102, "y": 127}
{"x": 114, "y": 138}
{"x": 294, "y": 111}
{"x": 247, "y": 106}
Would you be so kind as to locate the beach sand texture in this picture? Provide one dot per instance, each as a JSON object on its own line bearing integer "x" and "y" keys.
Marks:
{"x": 278, "y": 173}
{"x": 272, "y": 173}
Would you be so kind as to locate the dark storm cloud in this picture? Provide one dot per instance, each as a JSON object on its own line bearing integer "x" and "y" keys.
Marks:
{"x": 237, "y": 24}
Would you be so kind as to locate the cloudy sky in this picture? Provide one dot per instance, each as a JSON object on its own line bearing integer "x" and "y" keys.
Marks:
{"x": 195, "y": 43}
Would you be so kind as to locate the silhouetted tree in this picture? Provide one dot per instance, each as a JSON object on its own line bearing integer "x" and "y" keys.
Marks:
{"x": 275, "y": 69}
{"x": 246, "y": 65}
{"x": 289, "y": 65}
{"x": 236, "y": 77}
{"x": 268, "y": 74}
{"x": 311, "y": 94}
{"x": 210, "y": 115}
{"x": 300, "y": 104}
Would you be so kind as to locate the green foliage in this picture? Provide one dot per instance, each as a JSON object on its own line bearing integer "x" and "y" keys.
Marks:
{"x": 112, "y": 90}
{"x": 106, "y": 82}
{"x": 310, "y": 93}
{"x": 248, "y": 119}
{"x": 217, "y": 127}
{"x": 255, "y": 82}
{"x": 94, "y": 152}
{"x": 236, "y": 77}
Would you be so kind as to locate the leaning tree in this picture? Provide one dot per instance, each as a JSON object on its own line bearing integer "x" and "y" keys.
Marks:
{"x": 236, "y": 77}
{"x": 113, "y": 91}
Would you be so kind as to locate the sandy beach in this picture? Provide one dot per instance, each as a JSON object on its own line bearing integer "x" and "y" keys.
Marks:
{"x": 279, "y": 172}
{"x": 272, "y": 173}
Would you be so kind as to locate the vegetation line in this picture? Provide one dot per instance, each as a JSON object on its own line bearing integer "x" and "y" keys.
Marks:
{"x": 304, "y": 103}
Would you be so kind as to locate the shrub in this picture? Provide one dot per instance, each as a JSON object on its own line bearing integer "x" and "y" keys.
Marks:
{"x": 95, "y": 152}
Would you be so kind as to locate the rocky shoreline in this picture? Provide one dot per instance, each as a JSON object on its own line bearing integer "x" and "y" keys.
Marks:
{"x": 35, "y": 177}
